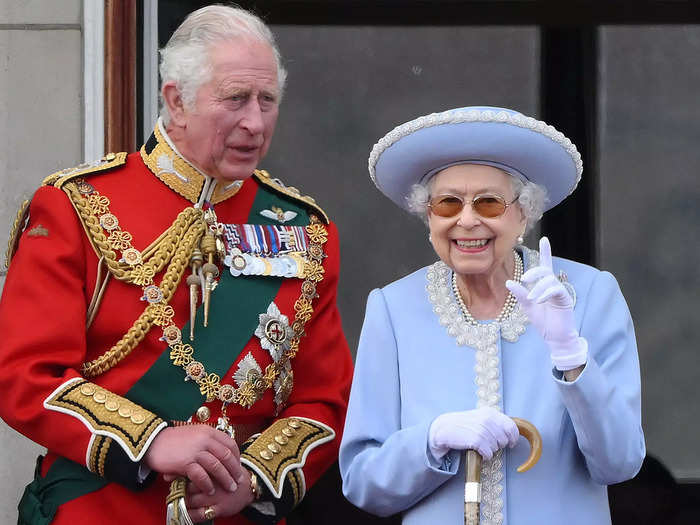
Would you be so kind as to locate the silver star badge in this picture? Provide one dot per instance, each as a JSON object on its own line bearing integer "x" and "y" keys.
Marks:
{"x": 274, "y": 332}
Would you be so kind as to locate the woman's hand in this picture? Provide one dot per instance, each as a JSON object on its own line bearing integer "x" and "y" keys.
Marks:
{"x": 550, "y": 309}
{"x": 222, "y": 502}
{"x": 485, "y": 430}
{"x": 201, "y": 453}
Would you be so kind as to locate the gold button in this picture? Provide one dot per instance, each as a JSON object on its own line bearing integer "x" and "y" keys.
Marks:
{"x": 203, "y": 413}
{"x": 87, "y": 389}
{"x": 138, "y": 418}
{"x": 266, "y": 454}
{"x": 282, "y": 440}
{"x": 274, "y": 447}
{"x": 294, "y": 423}
{"x": 112, "y": 405}
{"x": 289, "y": 432}
{"x": 100, "y": 397}
{"x": 125, "y": 411}
{"x": 110, "y": 157}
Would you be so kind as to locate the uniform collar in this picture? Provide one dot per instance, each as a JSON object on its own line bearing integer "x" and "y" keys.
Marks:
{"x": 167, "y": 163}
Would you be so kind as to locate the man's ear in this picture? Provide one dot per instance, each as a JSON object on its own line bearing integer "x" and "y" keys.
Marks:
{"x": 174, "y": 103}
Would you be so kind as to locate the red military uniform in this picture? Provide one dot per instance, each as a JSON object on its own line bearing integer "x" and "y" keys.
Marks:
{"x": 97, "y": 396}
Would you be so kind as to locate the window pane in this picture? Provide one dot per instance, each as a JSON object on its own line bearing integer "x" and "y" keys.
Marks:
{"x": 650, "y": 218}
{"x": 347, "y": 87}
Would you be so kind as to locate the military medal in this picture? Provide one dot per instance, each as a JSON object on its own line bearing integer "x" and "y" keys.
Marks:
{"x": 267, "y": 250}
{"x": 278, "y": 214}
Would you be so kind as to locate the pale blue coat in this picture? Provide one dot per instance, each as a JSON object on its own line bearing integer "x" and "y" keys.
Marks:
{"x": 409, "y": 371}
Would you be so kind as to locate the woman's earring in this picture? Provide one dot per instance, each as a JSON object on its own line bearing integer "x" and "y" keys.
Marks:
{"x": 520, "y": 239}
{"x": 430, "y": 239}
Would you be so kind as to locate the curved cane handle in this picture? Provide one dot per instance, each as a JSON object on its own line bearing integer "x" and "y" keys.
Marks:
{"x": 472, "y": 488}
{"x": 529, "y": 432}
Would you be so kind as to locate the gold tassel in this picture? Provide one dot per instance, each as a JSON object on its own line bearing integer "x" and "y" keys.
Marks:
{"x": 193, "y": 281}
{"x": 176, "y": 510}
{"x": 211, "y": 271}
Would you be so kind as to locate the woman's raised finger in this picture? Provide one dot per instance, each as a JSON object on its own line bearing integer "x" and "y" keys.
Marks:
{"x": 545, "y": 253}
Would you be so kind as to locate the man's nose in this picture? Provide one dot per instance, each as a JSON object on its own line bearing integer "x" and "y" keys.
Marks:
{"x": 253, "y": 118}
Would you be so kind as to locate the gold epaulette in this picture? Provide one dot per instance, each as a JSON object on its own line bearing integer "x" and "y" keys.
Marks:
{"x": 109, "y": 161}
{"x": 18, "y": 226}
{"x": 57, "y": 179}
{"x": 264, "y": 178}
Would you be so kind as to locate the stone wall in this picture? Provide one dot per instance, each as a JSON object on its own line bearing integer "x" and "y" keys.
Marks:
{"x": 41, "y": 79}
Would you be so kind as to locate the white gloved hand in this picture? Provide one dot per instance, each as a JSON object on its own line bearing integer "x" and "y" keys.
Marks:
{"x": 550, "y": 309}
{"x": 485, "y": 430}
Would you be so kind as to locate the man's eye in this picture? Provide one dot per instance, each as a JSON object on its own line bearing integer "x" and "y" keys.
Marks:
{"x": 239, "y": 97}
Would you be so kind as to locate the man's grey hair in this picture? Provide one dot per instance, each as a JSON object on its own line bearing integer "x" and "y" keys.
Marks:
{"x": 532, "y": 199}
{"x": 185, "y": 58}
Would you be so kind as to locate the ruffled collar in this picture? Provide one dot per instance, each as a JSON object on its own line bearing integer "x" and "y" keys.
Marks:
{"x": 446, "y": 307}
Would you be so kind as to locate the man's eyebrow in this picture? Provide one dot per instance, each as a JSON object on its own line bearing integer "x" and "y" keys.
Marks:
{"x": 232, "y": 88}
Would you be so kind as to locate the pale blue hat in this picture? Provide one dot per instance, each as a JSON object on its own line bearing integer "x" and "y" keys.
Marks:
{"x": 522, "y": 146}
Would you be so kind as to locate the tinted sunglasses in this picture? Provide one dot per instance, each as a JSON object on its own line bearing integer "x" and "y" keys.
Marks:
{"x": 488, "y": 205}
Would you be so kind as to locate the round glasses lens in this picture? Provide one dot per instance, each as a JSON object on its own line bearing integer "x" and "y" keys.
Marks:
{"x": 446, "y": 206}
{"x": 489, "y": 206}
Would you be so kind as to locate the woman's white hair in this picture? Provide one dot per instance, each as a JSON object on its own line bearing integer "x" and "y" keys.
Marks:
{"x": 185, "y": 58}
{"x": 532, "y": 199}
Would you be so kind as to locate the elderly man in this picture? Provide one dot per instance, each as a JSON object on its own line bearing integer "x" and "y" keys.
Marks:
{"x": 170, "y": 315}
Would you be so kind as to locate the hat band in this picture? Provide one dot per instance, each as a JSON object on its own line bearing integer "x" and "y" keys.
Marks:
{"x": 503, "y": 167}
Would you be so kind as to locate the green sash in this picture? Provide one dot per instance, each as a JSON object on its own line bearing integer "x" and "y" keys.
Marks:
{"x": 65, "y": 480}
{"x": 233, "y": 317}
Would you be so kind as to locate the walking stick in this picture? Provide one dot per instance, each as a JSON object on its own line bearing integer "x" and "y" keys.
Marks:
{"x": 472, "y": 488}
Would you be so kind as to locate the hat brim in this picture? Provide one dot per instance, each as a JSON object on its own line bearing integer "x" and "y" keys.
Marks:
{"x": 520, "y": 145}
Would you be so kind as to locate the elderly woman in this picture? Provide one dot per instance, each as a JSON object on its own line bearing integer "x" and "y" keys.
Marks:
{"x": 493, "y": 330}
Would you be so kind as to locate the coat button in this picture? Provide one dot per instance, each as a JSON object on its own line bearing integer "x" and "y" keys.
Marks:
{"x": 203, "y": 414}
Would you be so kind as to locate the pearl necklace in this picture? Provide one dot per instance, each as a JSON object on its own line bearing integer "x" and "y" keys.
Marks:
{"x": 508, "y": 306}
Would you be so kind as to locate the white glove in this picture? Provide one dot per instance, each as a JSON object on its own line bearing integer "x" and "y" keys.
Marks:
{"x": 550, "y": 309}
{"x": 485, "y": 430}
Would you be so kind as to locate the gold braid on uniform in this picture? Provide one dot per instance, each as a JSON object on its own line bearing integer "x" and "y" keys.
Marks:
{"x": 109, "y": 417}
{"x": 106, "y": 163}
{"x": 173, "y": 248}
{"x": 143, "y": 324}
{"x": 277, "y": 456}
{"x": 17, "y": 229}
{"x": 95, "y": 207}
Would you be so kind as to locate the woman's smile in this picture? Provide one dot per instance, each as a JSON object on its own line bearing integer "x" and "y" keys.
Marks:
{"x": 471, "y": 245}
